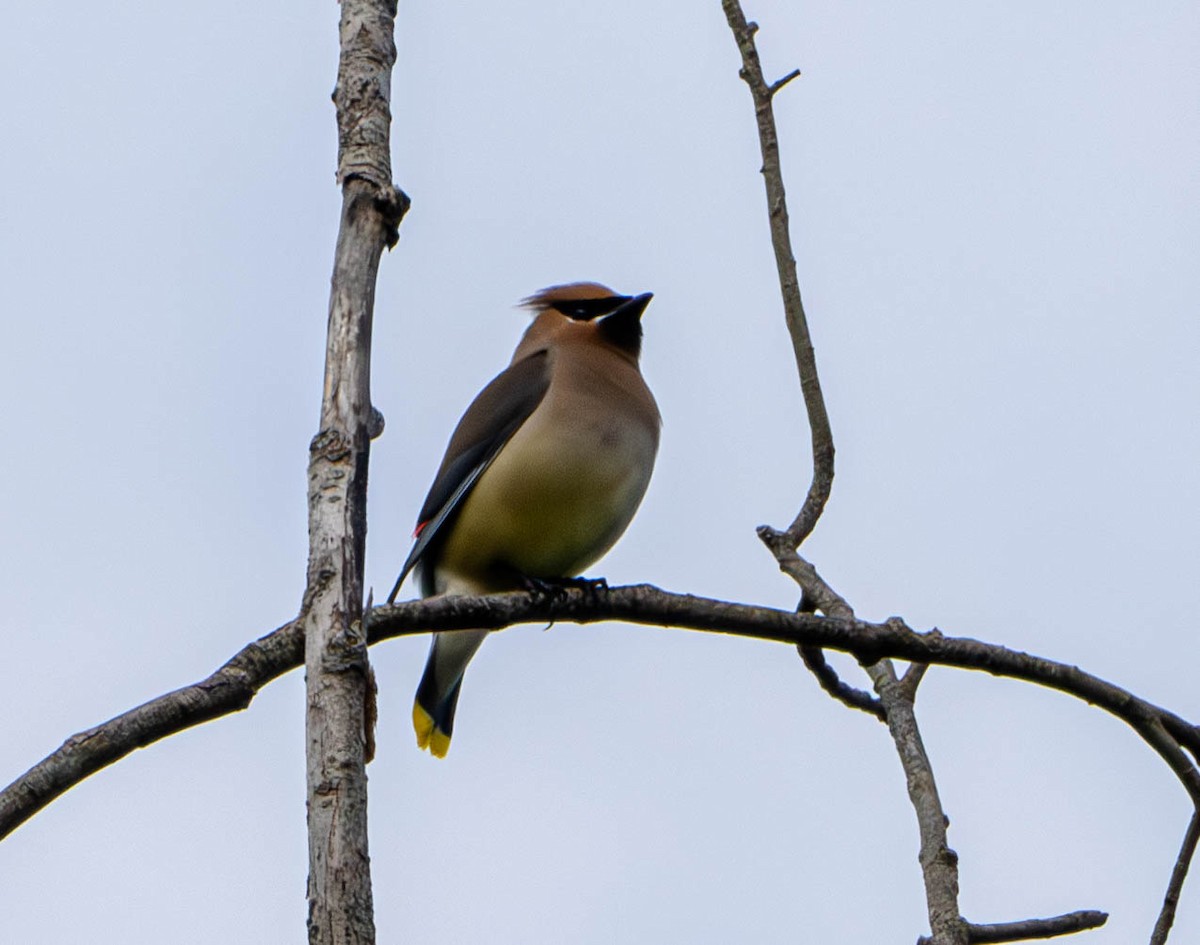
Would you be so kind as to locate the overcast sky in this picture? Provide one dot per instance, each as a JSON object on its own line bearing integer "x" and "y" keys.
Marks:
{"x": 995, "y": 211}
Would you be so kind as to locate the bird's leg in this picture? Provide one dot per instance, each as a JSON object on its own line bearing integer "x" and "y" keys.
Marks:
{"x": 555, "y": 588}
{"x": 543, "y": 588}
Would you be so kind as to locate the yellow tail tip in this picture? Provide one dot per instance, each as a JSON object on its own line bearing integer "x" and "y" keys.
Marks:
{"x": 428, "y": 734}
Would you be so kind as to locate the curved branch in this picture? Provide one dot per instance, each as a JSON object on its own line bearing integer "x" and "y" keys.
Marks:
{"x": 234, "y": 685}
{"x": 1167, "y": 734}
{"x": 228, "y": 690}
{"x": 831, "y": 682}
{"x": 789, "y": 286}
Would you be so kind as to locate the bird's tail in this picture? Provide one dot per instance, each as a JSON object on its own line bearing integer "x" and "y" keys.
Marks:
{"x": 437, "y": 694}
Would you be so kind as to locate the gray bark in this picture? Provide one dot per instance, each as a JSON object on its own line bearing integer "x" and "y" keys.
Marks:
{"x": 337, "y": 672}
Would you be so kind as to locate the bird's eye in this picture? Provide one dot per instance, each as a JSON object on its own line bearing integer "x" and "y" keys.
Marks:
{"x": 585, "y": 310}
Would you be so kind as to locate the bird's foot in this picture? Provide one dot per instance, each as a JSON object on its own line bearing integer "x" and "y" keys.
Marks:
{"x": 543, "y": 588}
{"x": 556, "y": 588}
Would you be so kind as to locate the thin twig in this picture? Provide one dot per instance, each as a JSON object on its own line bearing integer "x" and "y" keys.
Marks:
{"x": 1166, "y": 917}
{"x": 814, "y": 659}
{"x": 1154, "y": 731}
{"x": 816, "y": 593}
{"x": 780, "y": 83}
{"x": 1029, "y": 929}
{"x": 912, "y": 678}
{"x": 789, "y": 284}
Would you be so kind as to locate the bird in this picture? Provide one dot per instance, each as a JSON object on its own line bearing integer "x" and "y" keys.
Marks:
{"x": 542, "y": 475}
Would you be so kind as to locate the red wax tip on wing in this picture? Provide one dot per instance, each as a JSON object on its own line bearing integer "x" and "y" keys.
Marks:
{"x": 420, "y": 528}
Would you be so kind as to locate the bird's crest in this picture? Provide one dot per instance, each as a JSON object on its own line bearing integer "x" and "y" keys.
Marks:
{"x": 568, "y": 292}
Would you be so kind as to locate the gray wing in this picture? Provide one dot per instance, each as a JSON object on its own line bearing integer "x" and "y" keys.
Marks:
{"x": 493, "y": 417}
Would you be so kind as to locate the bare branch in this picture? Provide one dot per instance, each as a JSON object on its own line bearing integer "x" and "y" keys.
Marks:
{"x": 897, "y": 697}
{"x": 912, "y": 677}
{"x": 939, "y": 864}
{"x": 1166, "y": 916}
{"x": 1032, "y": 928}
{"x": 814, "y": 659}
{"x": 338, "y": 679}
{"x": 780, "y": 83}
{"x": 789, "y": 285}
{"x": 233, "y": 686}
{"x": 228, "y": 690}
{"x": 816, "y": 592}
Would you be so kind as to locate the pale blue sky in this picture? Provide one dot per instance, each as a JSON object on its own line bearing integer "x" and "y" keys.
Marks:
{"x": 995, "y": 211}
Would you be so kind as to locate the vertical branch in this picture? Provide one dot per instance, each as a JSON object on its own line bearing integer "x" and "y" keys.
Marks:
{"x": 939, "y": 863}
{"x": 1166, "y": 916}
{"x": 781, "y": 543}
{"x": 336, "y": 669}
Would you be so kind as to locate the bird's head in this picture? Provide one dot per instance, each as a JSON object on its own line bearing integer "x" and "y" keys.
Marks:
{"x": 616, "y": 319}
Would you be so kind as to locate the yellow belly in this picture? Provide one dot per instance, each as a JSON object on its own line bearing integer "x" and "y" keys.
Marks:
{"x": 549, "y": 505}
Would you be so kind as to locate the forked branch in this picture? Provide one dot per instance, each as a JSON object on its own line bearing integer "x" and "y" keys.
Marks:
{"x": 897, "y": 696}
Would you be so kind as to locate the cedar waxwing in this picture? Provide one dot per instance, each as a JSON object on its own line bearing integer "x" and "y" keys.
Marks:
{"x": 542, "y": 475}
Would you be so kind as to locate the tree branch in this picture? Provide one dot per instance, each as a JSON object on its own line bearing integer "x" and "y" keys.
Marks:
{"x": 814, "y": 659}
{"x": 1032, "y": 928}
{"x": 912, "y": 677}
{"x": 233, "y": 686}
{"x": 337, "y": 671}
{"x": 789, "y": 286}
{"x": 229, "y": 689}
{"x": 815, "y": 590}
{"x": 939, "y": 864}
{"x": 1166, "y": 916}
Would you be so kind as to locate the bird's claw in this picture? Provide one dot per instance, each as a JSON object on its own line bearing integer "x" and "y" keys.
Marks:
{"x": 556, "y": 588}
{"x": 544, "y": 589}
